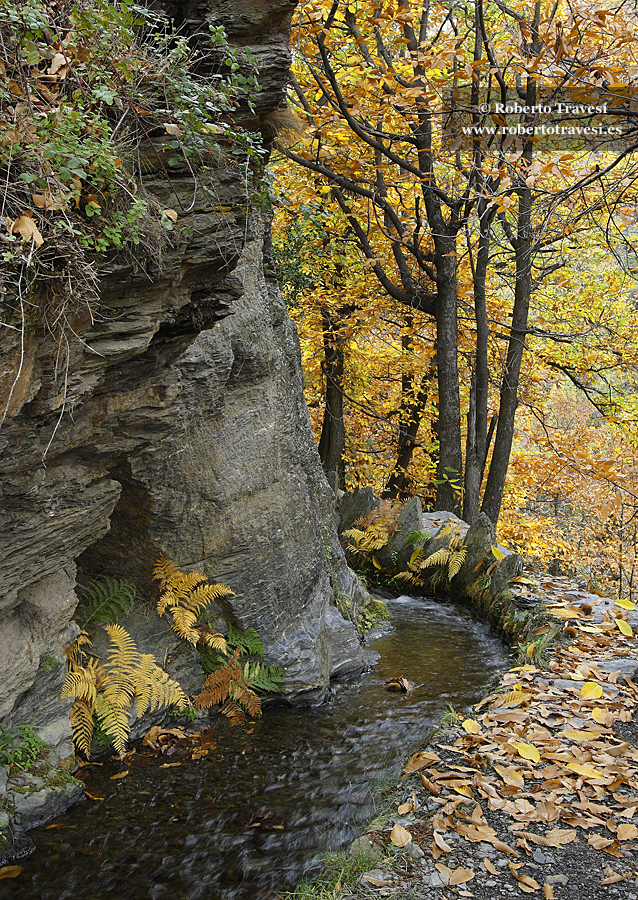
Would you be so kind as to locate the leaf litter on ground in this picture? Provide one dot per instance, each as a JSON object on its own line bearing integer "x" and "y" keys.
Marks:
{"x": 540, "y": 759}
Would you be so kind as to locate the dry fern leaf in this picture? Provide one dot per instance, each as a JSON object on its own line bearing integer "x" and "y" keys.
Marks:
{"x": 164, "y": 571}
{"x": 440, "y": 558}
{"x": 456, "y": 561}
{"x": 114, "y": 721}
{"x": 81, "y": 717}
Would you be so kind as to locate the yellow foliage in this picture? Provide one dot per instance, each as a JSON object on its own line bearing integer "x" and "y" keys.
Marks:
{"x": 106, "y": 691}
{"x": 184, "y": 595}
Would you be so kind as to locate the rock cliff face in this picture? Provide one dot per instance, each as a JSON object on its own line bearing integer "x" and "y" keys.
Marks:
{"x": 177, "y": 424}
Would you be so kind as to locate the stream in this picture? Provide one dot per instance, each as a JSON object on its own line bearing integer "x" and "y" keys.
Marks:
{"x": 254, "y": 816}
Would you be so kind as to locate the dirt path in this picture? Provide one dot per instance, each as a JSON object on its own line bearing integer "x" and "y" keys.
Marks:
{"x": 537, "y": 791}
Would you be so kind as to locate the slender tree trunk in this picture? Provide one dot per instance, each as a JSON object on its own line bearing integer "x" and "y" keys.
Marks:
{"x": 450, "y": 470}
{"x": 333, "y": 434}
{"x": 523, "y": 250}
{"x": 412, "y": 409}
{"x": 476, "y": 442}
{"x": 495, "y": 486}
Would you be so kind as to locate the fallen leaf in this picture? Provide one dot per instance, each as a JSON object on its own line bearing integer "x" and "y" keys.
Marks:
{"x": 624, "y": 627}
{"x": 461, "y": 876}
{"x": 591, "y": 690}
{"x": 377, "y": 882}
{"x": 510, "y": 775}
{"x": 548, "y": 891}
{"x": 441, "y": 842}
{"x": 527, "y": 751}
{"x": 92, "y": 796}
{"x": 421, "y": 760}
{"x": 431, "y": 787}
{"x": 405, "y": 808}
{"x": 119, "y": 775}
{"x": 400, "y": 836}
{"x": 585, "y": 771}
{"x": 491, "y": 868}
{"x": 625, "y": 604}
{"x": 627, "y": 832}
{"x": 27, "y": 229}
{"x": 169, "y": 765}
{"x": 598, "y": 842}
{"x": 10, "y": 871}
{"x": 471, "y": 726}
{"x": 615, "y": 877}
{"x": 172, "y": 215}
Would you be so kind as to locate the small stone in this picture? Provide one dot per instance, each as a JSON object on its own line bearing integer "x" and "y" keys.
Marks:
{"x": 439, "y": 879}
{"x": 557, "y": 879}
{"x": 414, "y": 851}
{"x": 501, "y": 862}
{"x": 491, "y": 883}
{"x": 539, "y": 857}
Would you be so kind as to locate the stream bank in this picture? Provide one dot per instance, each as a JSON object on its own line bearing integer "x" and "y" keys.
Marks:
{"x": 536, "y": 792}
{"x": 254, "y": 814}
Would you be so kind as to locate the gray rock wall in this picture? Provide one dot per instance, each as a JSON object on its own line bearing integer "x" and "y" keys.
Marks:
{"x": 199, "y": 447}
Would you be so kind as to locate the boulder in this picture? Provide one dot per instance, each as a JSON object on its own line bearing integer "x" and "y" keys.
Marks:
{"x": 395, "y": 555}
{"x": 354, "y": 505}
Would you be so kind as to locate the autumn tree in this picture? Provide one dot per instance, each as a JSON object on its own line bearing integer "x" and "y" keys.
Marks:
{"x": 385, "y": 91}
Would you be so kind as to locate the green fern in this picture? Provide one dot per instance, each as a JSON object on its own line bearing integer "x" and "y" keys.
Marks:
{"x": 264, "y": 678}
{"x": 105, "y": 601}
{"x": 248, "y": 640}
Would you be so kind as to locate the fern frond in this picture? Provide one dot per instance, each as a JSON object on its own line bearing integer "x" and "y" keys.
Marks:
{"x": 440, "y": 558}
{"x": 184, "y": 624}
{"x": 81, "y": 682}
{"x": 243, "y": 695}
{"x": 185, "y": 583}
{"x": 122, "y": 640}
{"x": 205, "y": 594}
{"x": 164, "y": 571}
{"x": 114, "y": 722}
{"x": 234, "y": 712}
{"x": 456, "y": 561}
{"x": 215, "y": 641}
{"x": 248, "y": 640}
{"x": 215, "y": 689}
{"x": 81, "y": 717}
{"x": 105, "y": 601}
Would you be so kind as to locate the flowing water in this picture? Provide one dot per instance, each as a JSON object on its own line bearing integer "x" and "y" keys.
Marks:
{"x": 254, "y": 815}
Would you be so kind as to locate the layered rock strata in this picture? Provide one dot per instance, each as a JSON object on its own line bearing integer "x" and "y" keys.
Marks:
{"x": 148, "y": 438}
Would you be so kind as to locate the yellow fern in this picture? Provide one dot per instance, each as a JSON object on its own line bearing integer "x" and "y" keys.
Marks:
{"x": 107, "y": 691}
{"x": 457, "y": 558}
{"x": 185, "y": 595}
{"x": 439, "y": 558}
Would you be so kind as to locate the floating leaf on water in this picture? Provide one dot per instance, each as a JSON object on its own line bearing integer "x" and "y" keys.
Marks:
{"x": 10, "y": 871}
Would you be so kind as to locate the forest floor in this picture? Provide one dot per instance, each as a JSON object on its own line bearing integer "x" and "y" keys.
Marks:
{"x": 534, "y": 792}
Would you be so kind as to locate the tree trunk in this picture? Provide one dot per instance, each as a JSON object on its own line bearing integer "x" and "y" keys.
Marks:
{"x": 412, "y": 409}
{"x": 450, "y": 470}
{"x": 333, "y": 434}
{"x": 495, "y": 486}
{"x": 476, "y": 442}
